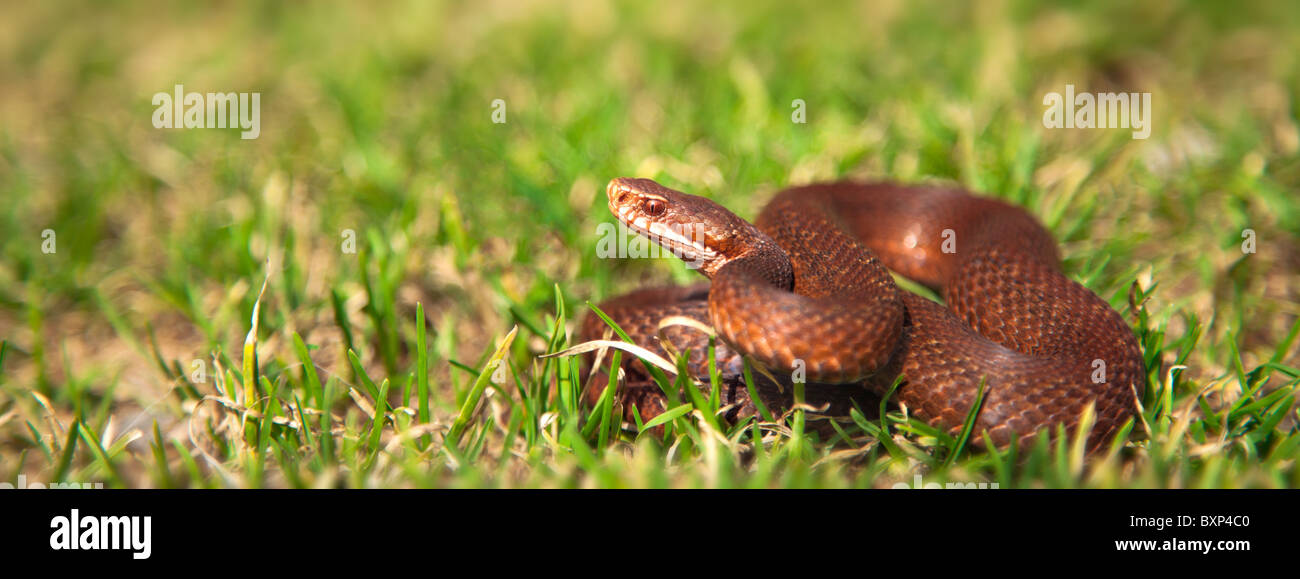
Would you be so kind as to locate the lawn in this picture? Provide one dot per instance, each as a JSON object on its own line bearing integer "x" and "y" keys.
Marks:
{"x": 361, "y": 295}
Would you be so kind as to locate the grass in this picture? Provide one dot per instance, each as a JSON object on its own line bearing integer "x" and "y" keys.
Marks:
{"x": 419, "y": 259}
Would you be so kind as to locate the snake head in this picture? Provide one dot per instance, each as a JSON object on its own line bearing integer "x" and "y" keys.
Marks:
{"x": 702, "y": 233}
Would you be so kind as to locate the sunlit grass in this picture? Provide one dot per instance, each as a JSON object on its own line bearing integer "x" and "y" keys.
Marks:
{"x": 417, "y": 360}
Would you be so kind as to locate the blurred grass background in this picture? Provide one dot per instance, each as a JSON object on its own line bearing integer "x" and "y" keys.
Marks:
{"x": 376, "y": 118}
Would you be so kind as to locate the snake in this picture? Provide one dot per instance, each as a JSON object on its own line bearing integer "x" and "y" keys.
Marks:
{"x": 807, "y": 294}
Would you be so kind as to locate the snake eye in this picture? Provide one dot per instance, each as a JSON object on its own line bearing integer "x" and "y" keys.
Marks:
{"x": 655, "y": 207}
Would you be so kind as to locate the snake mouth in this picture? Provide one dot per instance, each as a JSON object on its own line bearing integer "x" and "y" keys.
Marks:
{"x": 686, "y": 241}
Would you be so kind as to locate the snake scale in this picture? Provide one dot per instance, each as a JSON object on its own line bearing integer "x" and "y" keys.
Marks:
{"x": 805, "y": 291}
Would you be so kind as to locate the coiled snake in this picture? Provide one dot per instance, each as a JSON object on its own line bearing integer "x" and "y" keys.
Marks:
{"x": 806, "y": 289}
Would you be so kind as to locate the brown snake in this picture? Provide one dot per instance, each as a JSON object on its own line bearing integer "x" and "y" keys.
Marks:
{"x": 807, "y": 288}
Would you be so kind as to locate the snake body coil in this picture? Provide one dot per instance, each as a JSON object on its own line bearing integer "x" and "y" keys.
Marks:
{"x": 806, "y": 289}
